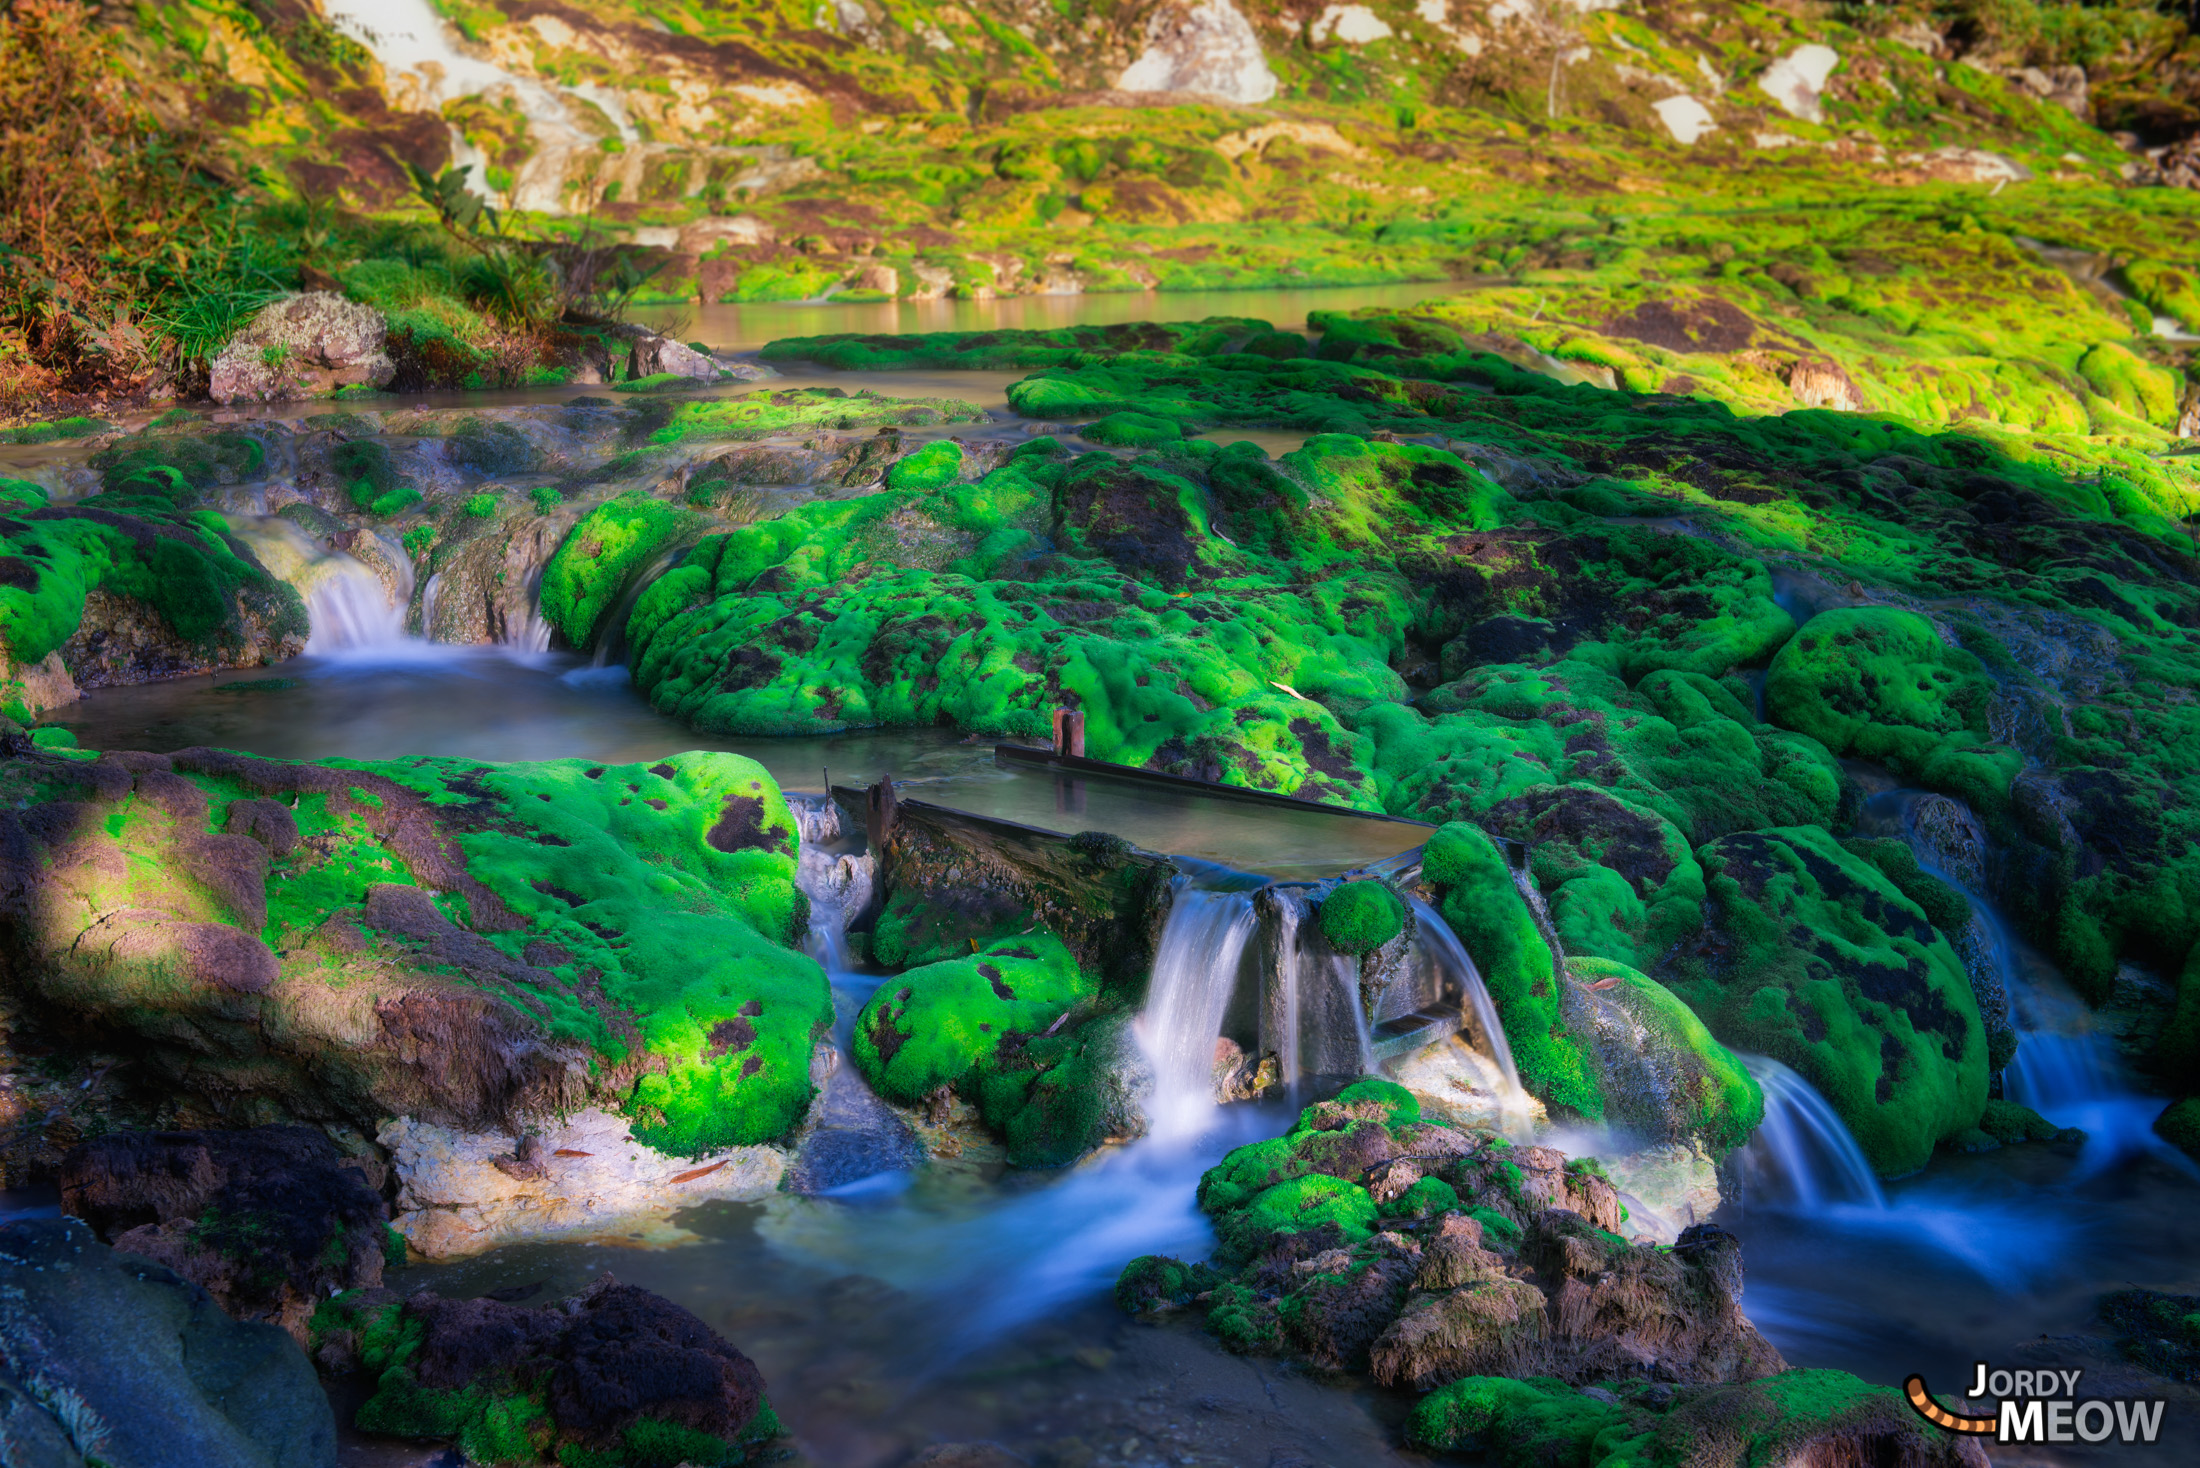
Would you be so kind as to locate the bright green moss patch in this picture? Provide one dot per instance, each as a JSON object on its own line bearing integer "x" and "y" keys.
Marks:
{"x": 591, "y": 568}
{"x": 935, "y": 466}
{"x": 1359, "y": 917}
{"x": 1703, "y": 1085}
{"x": 1132, "y": 431}
{"x": 928, "y": 1027}
{"x": 1294, "y": 1206}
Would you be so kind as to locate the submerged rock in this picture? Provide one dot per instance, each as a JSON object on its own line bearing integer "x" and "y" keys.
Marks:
{"x": 579, "y": 1175}
{"x": 112, "y": 1359}
{"x": 269, "y": 1222}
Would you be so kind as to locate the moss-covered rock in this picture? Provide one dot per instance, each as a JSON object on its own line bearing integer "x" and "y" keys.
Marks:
{"x": 1823, "y": 963}
{"x": 615, "y": 1377}
{"x": 1360, "y": 917}
{"x": 1660, "y": 1071}
{"x": 930, "y": 1026}
{"x": 604, "y": 552}
{"x": 448, "y": 939}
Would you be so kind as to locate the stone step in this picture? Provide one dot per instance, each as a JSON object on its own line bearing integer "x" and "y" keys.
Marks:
{"x": 1410, "y": 1032}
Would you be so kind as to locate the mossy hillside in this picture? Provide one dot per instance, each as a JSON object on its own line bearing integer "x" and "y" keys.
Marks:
{"x": 646, "y": 916}
{"x": 1208, "y": 653}
{"x": 1821, "y": 962}
{"x": 928, "y": 1027}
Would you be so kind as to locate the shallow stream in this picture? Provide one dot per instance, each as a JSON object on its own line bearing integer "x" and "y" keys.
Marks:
{"x": 967, "y": 1301}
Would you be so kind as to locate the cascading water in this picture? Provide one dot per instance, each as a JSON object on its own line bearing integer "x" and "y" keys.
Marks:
{"x": 1452, "y": 959}
{"x": 1803, "y": 1155}
{"x": 1195, "y": 970}
{"x": 2064, "y": 1068}
{"x": 347, "y": 606}
{"x": 426, "y": 68}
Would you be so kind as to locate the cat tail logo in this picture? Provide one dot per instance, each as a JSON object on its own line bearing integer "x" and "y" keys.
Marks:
{"x": 2037, "y": 1407}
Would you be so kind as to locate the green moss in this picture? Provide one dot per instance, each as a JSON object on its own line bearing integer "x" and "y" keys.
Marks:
{"x": 660, "y": 382}
{"x": 1296, "y": 1205}
{"x": 1132, "y": 431}
{"x": 1878, "y": 683}
{"x": 1425, "y": 1199}
{"x": 932, "y": 1025}
{"x": 1485, "y": 909}
{"x": 1400, "y": 1106}
{"x": 53, "y": 737}
{"x": 1824, "y": 964}
{"x": 1944, "y": 906}
{"x": 1156, "y": 1282}
{"x": 592, "y": 566}
{"x": 935, "y": 466}
{"x": 2179, "y": 1125}
{"x": 1360, "y": 917}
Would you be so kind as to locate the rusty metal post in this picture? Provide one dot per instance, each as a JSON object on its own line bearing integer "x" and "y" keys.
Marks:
{"x": 1069, "y": 732}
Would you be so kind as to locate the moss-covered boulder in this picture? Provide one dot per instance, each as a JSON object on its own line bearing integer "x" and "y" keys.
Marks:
{"x": 1367, "y": 1240}
{"x": 1881, "y": 684}
{"x": 602, "y": 554}
{"x": 1360, "y": 917}
{"x": 461, "y": 942}
{"x": 1662, "y": 1075}
{"x": 928, "y": 1027}
{"x": 1819, "y": 960}
{"x": 614, "y": 1377}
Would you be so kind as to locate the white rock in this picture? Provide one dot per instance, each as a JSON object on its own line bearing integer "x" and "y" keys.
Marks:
{"x": 1797, "y": 80}
{"x": 654, "y": 354}
{"x": 1355, "y": 25}
{"x": 1460, "y": 1086}
{"x": 452, "y": 1199}
{"x": 1685, "y": 118}
{"x": 1968, "y": 165}
{"x": 302, "y": 346}
{"x": 1208, "y": 47}
{"x": 1435, "y": 12}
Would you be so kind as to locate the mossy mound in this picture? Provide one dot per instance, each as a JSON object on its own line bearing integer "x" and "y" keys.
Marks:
{"x": 439, "y": 937}
{"x": 615, "y": 1377}
{"x": 1824, "y": 964}
{"x": 1367, "y": 1240}
{"x": 1790, "y": 1416}
{"x": 2160, "y": 1332}
{"x": 593, "y": 565}
{"x": 1055, "y": 1098}
{"x": 1132, "y": 431}
{"x": 928, "y": 1027}
{"x": 1360, "y": 917}
{"x": 1880, "y": 684}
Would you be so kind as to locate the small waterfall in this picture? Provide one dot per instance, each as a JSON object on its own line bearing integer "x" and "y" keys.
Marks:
{"x": 1194, "y": 972}
{"x": 1452, "y": 959}
{"x": 611, "y": 631}
{"x": 1284, "y": 960}
{"x": 1802, "y": 1156}
{"x": 347, "y": 606}
{"x": 351, "y": 610}
{"x": 1346, "y": 970}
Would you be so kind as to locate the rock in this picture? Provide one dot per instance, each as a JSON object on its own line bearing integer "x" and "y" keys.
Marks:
{"x": 152, "y": 1375}
{"x": 651, "y": 355}
{"x": 1460, "y": 1086}
{"x": 1797, "y": 80}
{"x": 852, "y": 1136}
{"x": 1208, "y": 47}
{"x": 1367, "y": 1239}
{"x": 1664, "y": 1190}
{"x": 609, "y": 1365}
{"x": 1820, "y": 384}
{"x": 38, "y": 686}
{"x": 594, "y": 1179}
{"x": 302, "y": 346}
{"x": 269, "y": 1222}
{"x": 967, "y": 1455}
{"x": 1685, "y": 118}
{"x": 2065, "y": 86}
{"x": 1662, "y": 1075}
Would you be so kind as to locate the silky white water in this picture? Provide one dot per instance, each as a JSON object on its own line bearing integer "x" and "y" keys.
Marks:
{"x": 1194, "y": 972}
